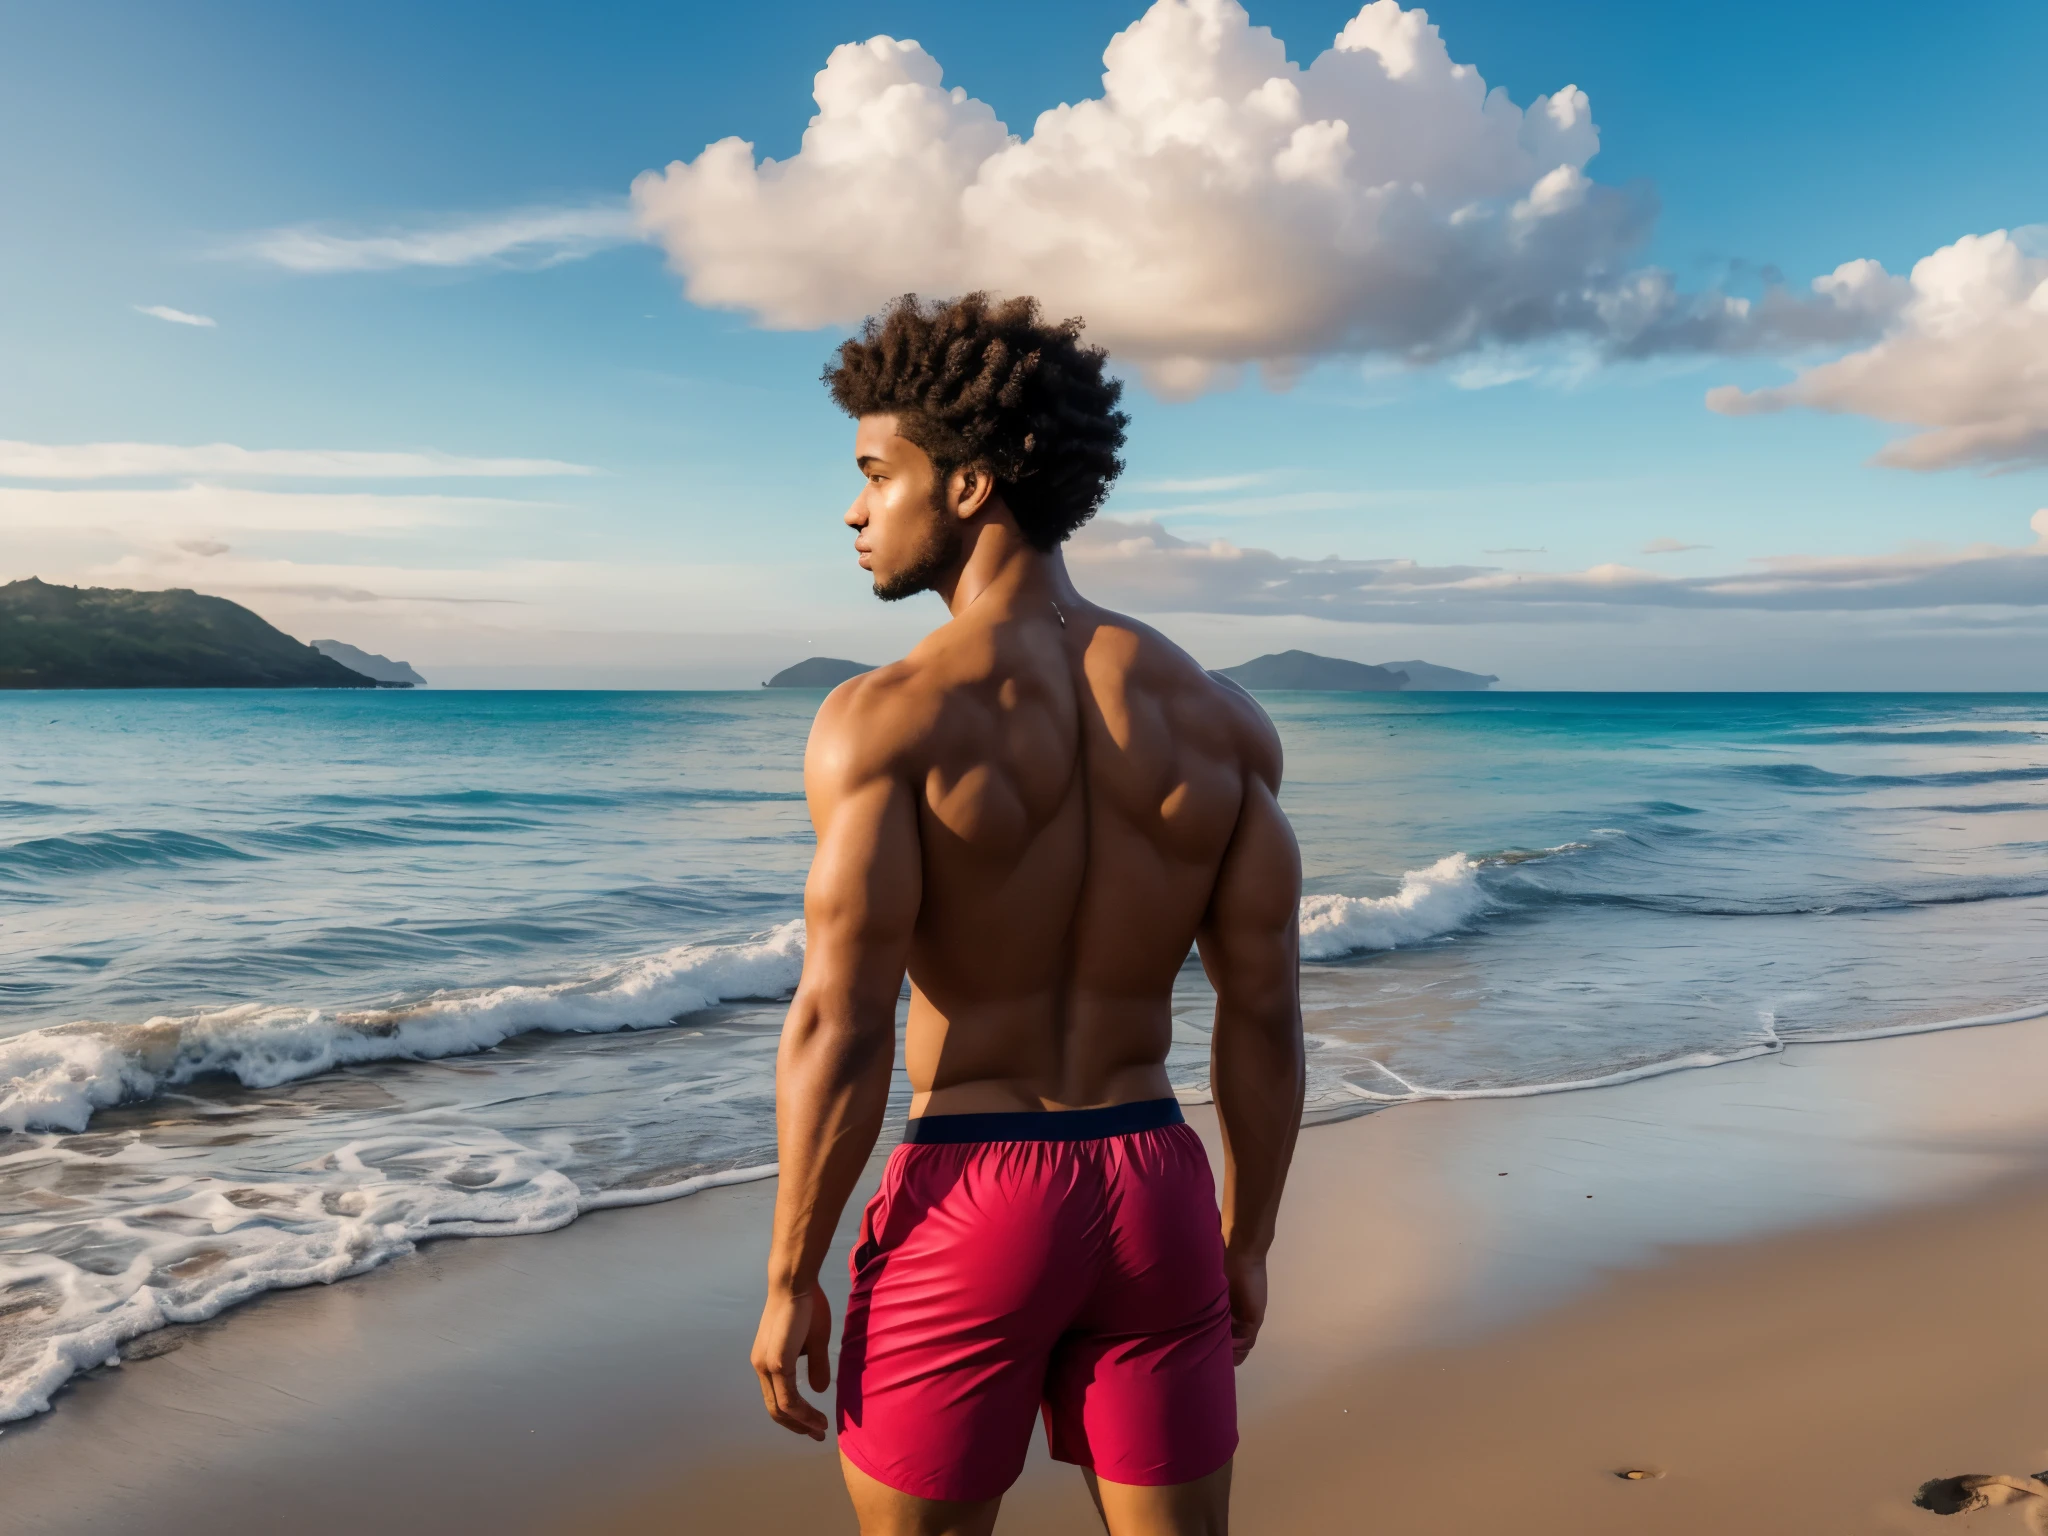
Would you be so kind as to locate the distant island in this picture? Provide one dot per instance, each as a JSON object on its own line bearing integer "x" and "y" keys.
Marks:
{"x": 1426, "y": 677}
{"x": 1300, "y": 670}
{"x": 817, "y": 672}
{"x": 108, "y": 637}
{"x": 378, "y": 669}
{"x": 1308, "y": 672}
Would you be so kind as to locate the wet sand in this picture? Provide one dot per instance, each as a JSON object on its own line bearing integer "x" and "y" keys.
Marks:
{"x": 1801, "y": 1286}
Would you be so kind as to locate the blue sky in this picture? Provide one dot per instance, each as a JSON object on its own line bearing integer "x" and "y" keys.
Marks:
{"x": 672, "y": 519}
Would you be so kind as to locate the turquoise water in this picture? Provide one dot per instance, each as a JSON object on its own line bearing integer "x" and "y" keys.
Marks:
{"x": 291, "y": 981}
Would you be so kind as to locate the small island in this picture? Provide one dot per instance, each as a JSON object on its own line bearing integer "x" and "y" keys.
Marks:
{"x": 381, "y": 670}
{"x": 1297, "y": 671}
{"x": 109, "y": 637}
{"x": 1427, "y": 677}
{"x": 1304, "y": 671}
{"x": 818, "y": 672}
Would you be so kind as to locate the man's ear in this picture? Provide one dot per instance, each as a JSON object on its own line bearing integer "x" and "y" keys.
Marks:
{"x": 974, "y": 487}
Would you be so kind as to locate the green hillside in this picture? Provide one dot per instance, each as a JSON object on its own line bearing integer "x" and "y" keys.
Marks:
{"x": 105, "y": 637}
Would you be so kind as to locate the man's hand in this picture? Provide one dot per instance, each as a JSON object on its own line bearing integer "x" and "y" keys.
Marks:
{"x": 1247, "y": 1302}
{"x": 792, "y": 1326}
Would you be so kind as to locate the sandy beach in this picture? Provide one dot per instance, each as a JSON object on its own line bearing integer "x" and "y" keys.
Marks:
{"x": 1792, "y": 1289}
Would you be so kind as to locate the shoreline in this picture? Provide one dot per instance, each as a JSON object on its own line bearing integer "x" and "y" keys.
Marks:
{"x": 1481, "y": 1283}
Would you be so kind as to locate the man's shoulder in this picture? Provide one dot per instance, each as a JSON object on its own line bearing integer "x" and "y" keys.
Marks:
{"x": 881, "y": 720}
{"x": 1205, "y": 702}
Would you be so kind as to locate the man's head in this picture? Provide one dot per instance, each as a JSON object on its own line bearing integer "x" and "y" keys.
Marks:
{"x": 972, "y": 409}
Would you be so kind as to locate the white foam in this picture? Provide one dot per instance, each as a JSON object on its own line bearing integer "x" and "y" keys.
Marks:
{"x": 54, "y": 1079}
{"x": 1430, "y": 903}
{"x": 1927, "y": 1026}
{"x": 57, "y": 1078}
{"x": 170, "y": 1246}
{"x": 655, "y": 1194}
{"x": 1415, "y": 1093}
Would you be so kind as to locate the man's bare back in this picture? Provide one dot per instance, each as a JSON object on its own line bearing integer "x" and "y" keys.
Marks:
{"x": 1078, "y": 780}
{"x": 1032, "y": 817}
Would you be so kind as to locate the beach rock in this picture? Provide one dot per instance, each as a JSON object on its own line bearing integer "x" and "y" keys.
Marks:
{"x": 1974, "y": 1491}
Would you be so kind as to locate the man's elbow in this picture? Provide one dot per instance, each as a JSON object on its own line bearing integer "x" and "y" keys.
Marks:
{"x": 840, "y": 1025}
{"x": 1268, "y": 1014}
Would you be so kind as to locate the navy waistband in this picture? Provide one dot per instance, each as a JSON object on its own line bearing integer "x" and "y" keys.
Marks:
{"x": 1046, "y": 1124}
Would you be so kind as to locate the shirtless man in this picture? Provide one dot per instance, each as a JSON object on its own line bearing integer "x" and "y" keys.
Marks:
{"x": 1035, "y": 814}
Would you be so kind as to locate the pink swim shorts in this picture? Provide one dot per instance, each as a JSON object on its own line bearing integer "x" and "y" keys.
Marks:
{"x": 1069, "y": 1261}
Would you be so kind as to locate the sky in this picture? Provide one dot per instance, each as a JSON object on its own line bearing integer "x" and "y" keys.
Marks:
{"x": 1591, "y": 345}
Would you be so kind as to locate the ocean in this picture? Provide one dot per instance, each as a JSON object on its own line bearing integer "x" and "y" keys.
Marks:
{"x": 292, "y": 982}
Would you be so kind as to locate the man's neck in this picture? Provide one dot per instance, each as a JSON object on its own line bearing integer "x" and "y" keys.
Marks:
{"x": 996, "y": 560}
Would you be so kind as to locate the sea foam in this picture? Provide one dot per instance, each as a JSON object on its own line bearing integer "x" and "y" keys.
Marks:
{"x": 55, "y": 1079}
{"x": 1430, "y": 903}
{"x": 172, "y": 1245}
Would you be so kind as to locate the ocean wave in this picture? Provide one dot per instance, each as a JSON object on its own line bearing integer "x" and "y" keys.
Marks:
{"x": 169, "y": 1246}
{"x": 94, "y": 852}
{"x": 55, "y": 1078}
{"x": 1844, "y": 903}
{"x": 1430, "y": 903}
{"x": 1808, "y": 776}
{"x": 320, "y": 836}
{"x": 1985, "y": 808}
{"x": 1913, "y": 738}
{"x": 542, "y": 800}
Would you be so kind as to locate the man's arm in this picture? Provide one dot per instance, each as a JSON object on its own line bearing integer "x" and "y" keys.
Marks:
{"x": 1250, "y": 946}
{"x": 839, "y": 1040}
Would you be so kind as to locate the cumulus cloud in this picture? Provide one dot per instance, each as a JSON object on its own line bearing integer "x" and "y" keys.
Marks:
{"x": 1964, "y": 360}
{"x": 175, "y": 316}
{"x": 1217, "y": 205}
{"x": 1138, "y": 563}
{"x": 111, "y": 461}
{"x": 526, "y": 237}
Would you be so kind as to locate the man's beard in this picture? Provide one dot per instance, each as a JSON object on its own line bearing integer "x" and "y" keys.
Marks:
{"x": 923, "y": 573}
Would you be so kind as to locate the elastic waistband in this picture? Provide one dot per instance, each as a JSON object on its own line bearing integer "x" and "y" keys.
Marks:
{"x": 1046, "y": 1124}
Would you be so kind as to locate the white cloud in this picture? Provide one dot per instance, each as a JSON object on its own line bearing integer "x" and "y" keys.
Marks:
{"x": 1275, "y": 503}
{"x": 201, "y": 511}
{"x": 528, "y": 237}
{"x": 1217, "y": 205}
{"x": 175, "y": 316}
{"x": 1964, "y": 360}
{"x": 1139, "y": 564}
{"x": 1671, "y": 547}
{"x": 108, "y": 461}
{"x": 1198, "y": 487}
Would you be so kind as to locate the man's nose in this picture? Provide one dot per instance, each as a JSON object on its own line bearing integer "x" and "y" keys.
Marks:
{"x": 857, "y": 514}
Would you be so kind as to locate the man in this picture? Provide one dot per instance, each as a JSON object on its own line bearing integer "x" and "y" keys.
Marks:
{"x": 1035, "y": 814}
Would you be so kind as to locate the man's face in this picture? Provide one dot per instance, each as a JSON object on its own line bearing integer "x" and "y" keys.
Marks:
{"x": 908, "y": 537}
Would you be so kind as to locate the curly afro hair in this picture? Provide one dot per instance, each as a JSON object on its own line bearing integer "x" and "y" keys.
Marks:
{"x": 975, "y": 380}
